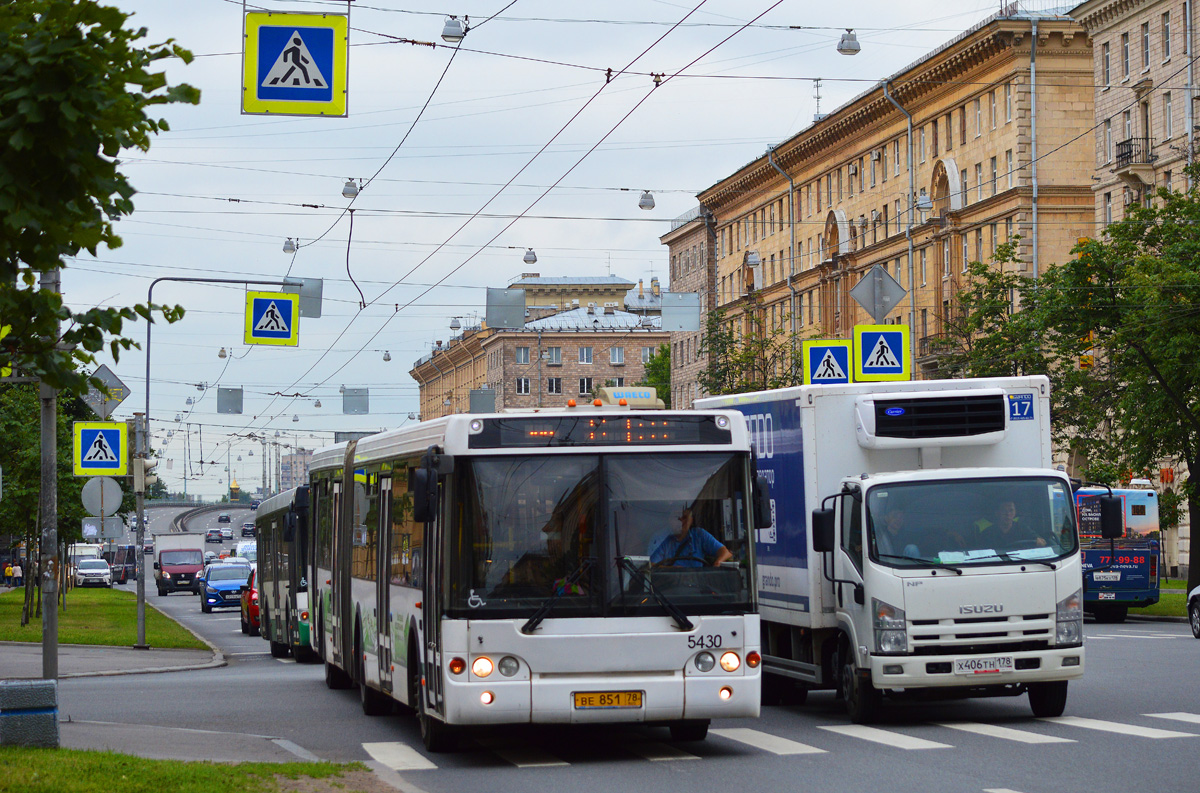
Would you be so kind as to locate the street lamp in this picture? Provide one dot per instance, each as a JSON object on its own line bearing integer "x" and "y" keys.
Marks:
{"x": 530, "y": 257}
{"x": 222, "y": 354}
{"x": 350, "y": 189}
{"x": 289, "y": 246}
{"x": 646, "y": 201}
{"x": 454, "y": 30}
{"x": 387, "y": 356}
{"x": 848, "y": 45}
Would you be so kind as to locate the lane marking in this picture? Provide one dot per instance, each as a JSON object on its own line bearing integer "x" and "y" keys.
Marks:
{"x": 1120, "y": 729}
{"x": 999, "y": 790}
{"x": 296, "y": 749}
{"x": 1007, "y": 733}
{"x": 525, "y": 757}
{"x": 1190, "y": 718}
{"x": 766, "y": 741}
{"x": 661, "y": 751}
{"x": 286, "y": 660}
{"x": 886, "y": 737}
{"x": 398, "y": 756}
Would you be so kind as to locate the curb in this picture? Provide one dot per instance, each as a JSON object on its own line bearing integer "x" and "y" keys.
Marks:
{"x": 1155, "y": 618}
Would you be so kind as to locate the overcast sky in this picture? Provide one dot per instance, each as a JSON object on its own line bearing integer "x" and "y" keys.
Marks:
{"x": 221, "y": 191}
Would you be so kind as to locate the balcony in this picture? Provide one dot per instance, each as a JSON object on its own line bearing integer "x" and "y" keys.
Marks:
{"x": 1135, "y": 162}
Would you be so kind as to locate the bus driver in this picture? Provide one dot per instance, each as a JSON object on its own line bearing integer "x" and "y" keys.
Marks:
{"x": 690, "y": 546}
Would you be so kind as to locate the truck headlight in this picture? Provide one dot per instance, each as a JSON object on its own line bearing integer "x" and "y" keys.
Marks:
{"x": 891, "y": 631}
{"x": 1069, "y": 619}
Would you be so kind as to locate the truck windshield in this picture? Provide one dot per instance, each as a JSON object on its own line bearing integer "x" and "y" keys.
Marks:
{"x": 971, "y": 522}
{"x": 181, "y": 557}
{"x": 530, "y": 528}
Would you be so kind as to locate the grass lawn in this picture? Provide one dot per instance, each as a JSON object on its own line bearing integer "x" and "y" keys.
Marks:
{"x": 77, "y": 771}
{"x": 1174, "y": 583}
{"x": 1168, "y": 605}
{"x": 95, "y": 616}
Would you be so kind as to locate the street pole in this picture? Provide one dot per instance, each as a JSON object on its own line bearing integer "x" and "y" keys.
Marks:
{"x": 141, "y": 450}
{"x": 48, "y": 561}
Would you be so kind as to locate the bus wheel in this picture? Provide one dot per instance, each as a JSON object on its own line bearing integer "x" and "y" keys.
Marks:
{"x": 278, "y": 649}
{"x": 689, "y": 730}
{"x": 1048, "y": 700}
{"x": 436, "y": 735}
{"x": 335, "y": 678}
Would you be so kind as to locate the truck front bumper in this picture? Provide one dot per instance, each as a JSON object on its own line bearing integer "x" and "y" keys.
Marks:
{"x": 937, "y": 671}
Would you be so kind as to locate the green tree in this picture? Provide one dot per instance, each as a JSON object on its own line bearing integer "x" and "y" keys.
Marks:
{"x": 760, "y": 358}
{"x": 75, "y": 86}
{"x": 657, "y": 373}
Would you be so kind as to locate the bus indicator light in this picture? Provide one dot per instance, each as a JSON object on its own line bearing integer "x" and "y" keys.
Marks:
{"x": 457, "y": 665}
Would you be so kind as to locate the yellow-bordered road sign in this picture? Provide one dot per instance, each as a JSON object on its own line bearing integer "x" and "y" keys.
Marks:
{"x": 881, "y": 352}
{"x": 827, "y": 361}
{"x": 273, "y": 318}
{"x": 101, "y": 448}
{"x": 295, "y": 64}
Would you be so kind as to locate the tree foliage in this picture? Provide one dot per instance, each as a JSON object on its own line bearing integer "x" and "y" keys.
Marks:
{"x": 75, "y": 87}
{"x": 760, "y": 358}
{"x": 657, "y": 373}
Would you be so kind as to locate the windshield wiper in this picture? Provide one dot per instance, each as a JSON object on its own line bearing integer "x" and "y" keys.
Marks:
{"x": 680, "y": 619}
{"x": 923, "y": 562}
{"x": 531, "y": 624}
{"x": 1051, "y": 565}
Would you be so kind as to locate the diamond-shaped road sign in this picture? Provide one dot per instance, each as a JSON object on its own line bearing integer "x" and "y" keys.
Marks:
{"x": 878, "y": 293}
{"x": 117, "y": 392}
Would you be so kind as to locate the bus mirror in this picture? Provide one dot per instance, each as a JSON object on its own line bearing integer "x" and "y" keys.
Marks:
{"x": 289, "y": 527}
{"x": 1112, "y": 518}
{"x": 762, "y": 504}
{"x": 822, "y": 529}
{"x": 424, "y": 490}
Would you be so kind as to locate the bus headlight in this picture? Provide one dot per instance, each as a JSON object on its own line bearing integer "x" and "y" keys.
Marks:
{"x": 705, "y": 662}
{"x": 1069, "y": 618}
{"x": 508, "y": 666}
{"x": 481, "y": 666}
{"x": 730, "y": 662}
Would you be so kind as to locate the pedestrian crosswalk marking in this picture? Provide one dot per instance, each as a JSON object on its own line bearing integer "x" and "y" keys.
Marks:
{"x": 398, "y": 756}
{"x": 766, "y": 741}
{"x": 885, "y": 737}
{"x": 1190, "y": 718}
{"x": 100, "y": 451}
{"x": 295, "y": 64}
{"x": 1006, "y": 733}
{"x": 1120, "y": 729}
{"x": 660, "y": 751}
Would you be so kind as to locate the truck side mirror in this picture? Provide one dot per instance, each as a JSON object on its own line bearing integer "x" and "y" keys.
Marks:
{"x": 424, "y": 489}
{"x": 762, "y": 503}
{"x": 822, "y": 529}
{"x": 1112, "y": 518}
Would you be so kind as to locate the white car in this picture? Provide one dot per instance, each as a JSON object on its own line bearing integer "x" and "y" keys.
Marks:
{"x": 1193, "y": 606}
{"x": 93, "y": 572}
{"x": 226, "y": 533}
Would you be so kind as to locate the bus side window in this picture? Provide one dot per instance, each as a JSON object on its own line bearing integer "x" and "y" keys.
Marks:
{"x": 407, "y": 534}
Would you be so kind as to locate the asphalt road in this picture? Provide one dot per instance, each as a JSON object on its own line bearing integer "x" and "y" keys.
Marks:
{"x": 1133, "y": 720}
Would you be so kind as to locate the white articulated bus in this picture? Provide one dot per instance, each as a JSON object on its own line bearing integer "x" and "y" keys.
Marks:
{"x": 529, "y": 568}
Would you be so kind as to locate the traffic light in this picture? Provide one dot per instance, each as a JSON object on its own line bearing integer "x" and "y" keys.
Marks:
{"x": 142, "y": 476}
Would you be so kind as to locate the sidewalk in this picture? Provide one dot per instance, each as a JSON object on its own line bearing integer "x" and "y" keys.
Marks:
{"x": 24, "y": 660}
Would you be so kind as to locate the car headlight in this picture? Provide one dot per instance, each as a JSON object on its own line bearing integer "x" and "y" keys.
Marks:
{"x": 210, "y": 590}
{"x": 166, "y": 575}
{"x": 891, "y": 630}
{"x": 1069, "y": 619}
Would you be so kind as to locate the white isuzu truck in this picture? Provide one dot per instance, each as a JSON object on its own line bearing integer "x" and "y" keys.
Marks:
{"x": 922, "y": 547}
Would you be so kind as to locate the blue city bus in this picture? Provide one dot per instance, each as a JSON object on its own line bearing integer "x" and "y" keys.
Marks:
{"x": 1119, "y": 574}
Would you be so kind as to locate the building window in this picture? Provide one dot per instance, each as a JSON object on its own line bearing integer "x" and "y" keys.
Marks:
{"x": 1008, "y": 163}
{"x": 585, "y": 354}
{"x": 896, "y": 214}
{"x": 616, "y": 355}
{"x": 965, "y": 255}
{"x": 949, "y": 130}
{"x": 979, "y": 244}
{"x": 1145, "y": 45}
{"x": 1166, "y": 36}
{"x": 522, "y": 355}
{"x": 1168, "y": 116}
{"x": 1127, "y": 119}
{"x": 554, "y": 356}
{"x": 1167, "y": 180}
{"x": 995, "y": 238}
{"x": 883, "y": 160}
{"x": 829, "y": 190}
{"x": 922, "y": 141}
{"x": 978, "y": 181}
{"x": 1107, "y": 209}
{"x": 963, "y": 185}
{"x": 962, "y": 125}
{"x": 923, "y": 251}
{"x": 992, "y": 109}
{"x": 554, "y": 385}
{"x": 1105, "y": 68}
{"x": 873, "y": 159}
{"x": 585, "y": 386}
{"x": 934, "y": 129}
{"x": 978, "y": 118}
{"x": 1124, "y": 55}
{"x": 522, "y": 385}
{"x": 1108, "y": 147}
{"x": 1008, "y": 229}
{"x": 618, "y": 382}
{"x": 994, "y": 175}
{"x": 946, "y": 258}
{"x": 647, "y": 354}
{"x": 896, "y": 158}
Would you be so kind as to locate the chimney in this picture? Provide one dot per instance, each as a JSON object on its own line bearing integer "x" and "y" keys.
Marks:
{"x": 609, "y": 310}
{"x": 641, "y": 291}
{"x": 654, "y": 286}
{"x": 591, "y": 308}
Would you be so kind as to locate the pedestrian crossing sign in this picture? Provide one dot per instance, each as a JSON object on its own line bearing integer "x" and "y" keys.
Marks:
{"x": 881, "y": 352}
{"x": 273, "y": 318}
{"x": 827, "y": 361}
{"x": 295, "y": 64}
{"x": 101, "y": 448}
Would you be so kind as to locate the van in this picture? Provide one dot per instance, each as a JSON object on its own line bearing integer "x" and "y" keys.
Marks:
{"x": 124, "y": 565}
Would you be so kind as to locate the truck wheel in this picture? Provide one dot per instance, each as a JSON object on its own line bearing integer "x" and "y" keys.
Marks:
{"x": 1048, "y": 699}
{"x": 860, "y": 695}
{"x": 1194, "y": 617}
{"x": 689, "y": 730}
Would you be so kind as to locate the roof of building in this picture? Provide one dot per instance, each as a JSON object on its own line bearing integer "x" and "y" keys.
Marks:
{"x": 647, "y": 301}
{"x": 571, "y": 280}
{"x": 580, "y": 319}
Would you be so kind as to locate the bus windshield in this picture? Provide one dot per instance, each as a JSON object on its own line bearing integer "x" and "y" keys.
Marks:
{"x": 602, "y": 534}
{"x": 971, "y": 522}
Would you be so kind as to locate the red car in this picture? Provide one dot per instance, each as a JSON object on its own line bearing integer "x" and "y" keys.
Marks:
{"x": 250, "y": 604}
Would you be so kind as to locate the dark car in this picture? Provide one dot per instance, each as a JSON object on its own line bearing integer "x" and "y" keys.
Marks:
{"x": 148, "y": 546}
{"x": 254, "y": 504}
{"x": 248, "y": 529}
{"x": 212, "y": 535}
{"x": 221, "y": 585}
{"x": 250, "y": 605}
{"x": 224, "y": 518}
{"x": 124, "y": 566}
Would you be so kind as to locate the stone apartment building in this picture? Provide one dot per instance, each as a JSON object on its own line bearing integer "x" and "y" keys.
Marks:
{"x": 995, "y": 117}
{"x": 1143, "y": 77}
{"x": 690, "y": 242}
